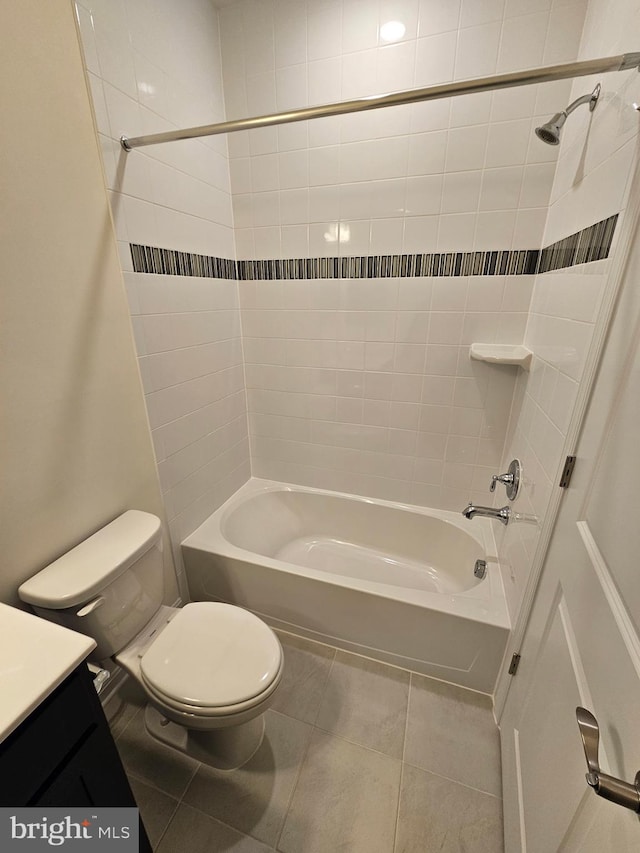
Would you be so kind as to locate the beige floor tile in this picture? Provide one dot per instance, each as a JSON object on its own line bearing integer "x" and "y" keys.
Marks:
{"x": 436, "y": 814}
{"x": 156, "y": 808}
{"x": 304, "y": 678}
{"x": 122, "y": 718}
{"x": 192, "y": 831}
{"x": 366, "y": 702}
{"x": 152, "y": 761}
{"x": 451, "y": 731}
{"x": 345, "y": 800}
{"x": 254, "y": 799}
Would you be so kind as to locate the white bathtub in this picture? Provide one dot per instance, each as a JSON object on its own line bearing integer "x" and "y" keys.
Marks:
{"x": 386, "y": 580}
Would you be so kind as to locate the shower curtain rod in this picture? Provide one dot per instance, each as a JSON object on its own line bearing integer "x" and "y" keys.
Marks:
{"x": 623, "y": 62}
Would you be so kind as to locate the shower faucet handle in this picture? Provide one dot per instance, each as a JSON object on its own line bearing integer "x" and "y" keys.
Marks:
{"x": 507, "y": 479}
{"x": 512, "y": 479}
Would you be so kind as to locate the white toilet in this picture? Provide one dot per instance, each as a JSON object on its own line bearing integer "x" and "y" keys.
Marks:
{"x": 209, "y": 670}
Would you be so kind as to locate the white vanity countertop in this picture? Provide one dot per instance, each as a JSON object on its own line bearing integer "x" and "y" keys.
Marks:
{"x": 35, "y": 657}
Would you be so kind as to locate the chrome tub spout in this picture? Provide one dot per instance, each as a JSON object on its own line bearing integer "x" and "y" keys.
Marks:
{"x": 503, "y": 514}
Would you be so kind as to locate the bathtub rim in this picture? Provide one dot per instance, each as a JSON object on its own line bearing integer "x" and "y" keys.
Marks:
{"x": 484, "y": 603}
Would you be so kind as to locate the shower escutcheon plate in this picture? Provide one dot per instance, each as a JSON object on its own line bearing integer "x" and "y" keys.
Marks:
{"x": 511, "y": 480}
{"x": 513, "y": 487}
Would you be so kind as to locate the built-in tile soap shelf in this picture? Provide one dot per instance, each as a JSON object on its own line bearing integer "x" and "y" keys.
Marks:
{"x": 502, "y": 354}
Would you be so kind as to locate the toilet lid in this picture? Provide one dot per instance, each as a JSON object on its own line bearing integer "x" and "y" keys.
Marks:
{"x": 212, "y": 655}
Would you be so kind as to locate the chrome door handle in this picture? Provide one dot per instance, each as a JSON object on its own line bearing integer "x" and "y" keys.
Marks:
{"x": 617, "y": 790}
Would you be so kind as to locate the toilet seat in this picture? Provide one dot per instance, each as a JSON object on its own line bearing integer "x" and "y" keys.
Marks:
{"x": 213, "y": 713}
{"x": 212, "y": 660}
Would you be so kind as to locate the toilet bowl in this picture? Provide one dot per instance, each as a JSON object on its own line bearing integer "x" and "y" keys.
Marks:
{"x": 208, "y": 670}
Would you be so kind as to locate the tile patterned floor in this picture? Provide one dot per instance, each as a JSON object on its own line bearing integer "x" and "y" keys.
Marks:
{"x": 358, "y": 757}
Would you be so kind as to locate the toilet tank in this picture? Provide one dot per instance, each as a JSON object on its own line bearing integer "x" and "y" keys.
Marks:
{"x": 108, "y": 586}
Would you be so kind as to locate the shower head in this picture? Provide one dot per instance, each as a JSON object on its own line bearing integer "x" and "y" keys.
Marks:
{"x": 550, "y": 132}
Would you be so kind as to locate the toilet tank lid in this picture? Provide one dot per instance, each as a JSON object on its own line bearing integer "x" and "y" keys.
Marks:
{"x": 83, "y": 572}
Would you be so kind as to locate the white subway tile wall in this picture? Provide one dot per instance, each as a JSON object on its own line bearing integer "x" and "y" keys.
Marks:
{"x": 154, "y": 67}
{"x": 598, "y": 155}
{"x": 365, "y": 182}
{"x": 366, "y": 386}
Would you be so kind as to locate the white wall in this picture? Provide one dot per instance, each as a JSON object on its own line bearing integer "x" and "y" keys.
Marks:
{"x": 76, "y": 450}
{"x": 153, "y": 67}
{"x": 366, "y": 386}
{"x": 598, "y": 155}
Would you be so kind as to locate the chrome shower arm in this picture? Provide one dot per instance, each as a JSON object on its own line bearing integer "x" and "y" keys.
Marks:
{"x": 591, "y": 99}
{"x": 585, "y": 99}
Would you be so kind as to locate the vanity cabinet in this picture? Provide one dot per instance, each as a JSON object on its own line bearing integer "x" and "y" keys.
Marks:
{"x": 63, "y": 754}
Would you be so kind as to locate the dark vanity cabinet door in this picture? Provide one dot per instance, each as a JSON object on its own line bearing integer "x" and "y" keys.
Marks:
{"x": 63, "y": 754}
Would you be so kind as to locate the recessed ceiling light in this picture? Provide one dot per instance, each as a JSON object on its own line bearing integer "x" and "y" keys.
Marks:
{"x": 392, "y": 31}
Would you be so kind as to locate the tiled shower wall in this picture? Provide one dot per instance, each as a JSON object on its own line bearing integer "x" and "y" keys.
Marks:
{"x": 366, "y": 385}
{"x": 448, "y": 175}
{"x": 155, "y": 66}
{"x": 598, "y": 157}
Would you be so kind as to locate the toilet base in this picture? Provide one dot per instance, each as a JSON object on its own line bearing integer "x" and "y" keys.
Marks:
{"x": 225, "y": 748}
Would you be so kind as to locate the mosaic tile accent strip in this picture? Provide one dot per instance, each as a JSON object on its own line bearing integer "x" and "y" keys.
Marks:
{"x": 590, "y": 244}
{"x": 148, "y": 259}
{"x": 171, "y": 262}
{"x": 393, "y": 266}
